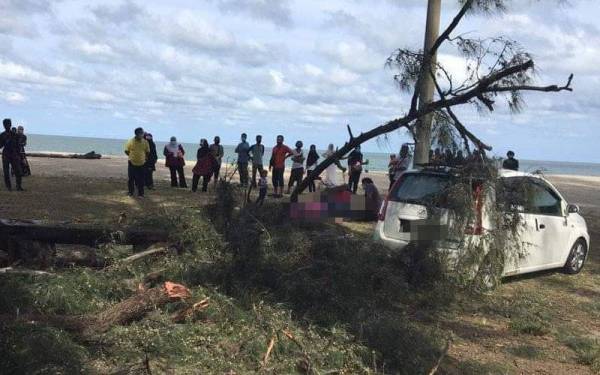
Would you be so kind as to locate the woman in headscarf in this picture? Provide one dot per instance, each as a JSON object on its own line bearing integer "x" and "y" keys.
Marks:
{"x": 150, "y": 165}
{"x": 330, "y": 179}
{"x": 205, "y": 166}
{"x": 22, "y": 142}
{"x": 174, "y": 153}
{"x": 311, "y": 164}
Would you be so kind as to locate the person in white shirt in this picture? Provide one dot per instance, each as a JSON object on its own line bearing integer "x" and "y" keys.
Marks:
{"x": 257, "y": 151}
{"x": 297, "y": 166}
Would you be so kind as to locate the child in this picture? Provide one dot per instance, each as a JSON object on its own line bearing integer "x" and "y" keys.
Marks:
{"x": 262, "y": 186}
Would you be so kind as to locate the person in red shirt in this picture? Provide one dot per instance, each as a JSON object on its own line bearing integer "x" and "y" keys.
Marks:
{"x": 277, "y": 164}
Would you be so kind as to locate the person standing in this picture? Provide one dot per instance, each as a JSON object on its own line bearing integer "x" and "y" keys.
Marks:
{"x": 242, "y": 161}
{"x": 297, "y": 166}
{"x": 392, "y": 170}
{"x": 174, "y": 153}
{"x": 355, "y": 165}
{"x": 510, "y": 163}
{"x": 277, "y": 163}
{"x": 403, "y": 163}
{"x": 311, "y": 163}
{"x": 150, "y": 166}
{"x": 262, "y": 187}
{"x": 257, "y": 151}
{"x": 331, "y": 171}
{"x": 22, "y": 142}
{"x": 372, "y": 199}
{"x": 217, "y": 152}
{"x": 137, "y": 150}
{"x": 205, "y": 166}
{"x": 10, "y": 155}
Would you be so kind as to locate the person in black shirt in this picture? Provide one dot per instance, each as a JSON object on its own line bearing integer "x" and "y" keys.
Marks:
{"x": 150, "y": 165}
{"x": 511, "y": 163}
{"x": 311, "y": 164}
{"x": 10, "y": 155}
{"x": 22, "y": 142}
{"x": 355, "y": 165}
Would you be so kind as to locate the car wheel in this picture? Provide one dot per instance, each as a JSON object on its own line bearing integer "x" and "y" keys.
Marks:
{"x": 576, "y": 257}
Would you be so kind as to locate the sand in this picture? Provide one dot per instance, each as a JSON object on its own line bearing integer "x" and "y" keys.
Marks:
{"x": 100, "y": 183}
{"x": 581, "y": 190}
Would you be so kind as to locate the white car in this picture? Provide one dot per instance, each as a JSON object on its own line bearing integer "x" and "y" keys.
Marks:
{"x": 554, "y": 233}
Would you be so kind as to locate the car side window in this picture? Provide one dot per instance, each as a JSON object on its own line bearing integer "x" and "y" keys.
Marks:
{"x": 542, "y": 199}
{"x": 510, "y": 195}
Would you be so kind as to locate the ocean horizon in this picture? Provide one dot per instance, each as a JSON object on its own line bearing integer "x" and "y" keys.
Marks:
{"x": 377, "y": 160}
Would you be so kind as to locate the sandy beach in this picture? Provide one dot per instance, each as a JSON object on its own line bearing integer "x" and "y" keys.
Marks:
{"x": 581, "y": 190}
{"x": 63, "y": 187}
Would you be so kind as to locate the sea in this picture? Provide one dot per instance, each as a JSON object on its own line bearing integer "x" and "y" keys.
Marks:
{"x": 377, "y": 161}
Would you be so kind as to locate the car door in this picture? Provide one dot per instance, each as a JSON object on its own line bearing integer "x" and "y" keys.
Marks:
{"x": 545, "y": 229}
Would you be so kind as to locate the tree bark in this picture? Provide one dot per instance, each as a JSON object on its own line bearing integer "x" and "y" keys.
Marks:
{"x": 77, "y": 234}
{"x": 127, "y": 311}
{"x": 426, "y": 89}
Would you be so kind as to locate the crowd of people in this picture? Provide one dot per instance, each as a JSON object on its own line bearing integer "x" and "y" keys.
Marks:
{"x": 250, "y": 164}
{"x": 142, "y": 163}
{"x": 14, "y": 160}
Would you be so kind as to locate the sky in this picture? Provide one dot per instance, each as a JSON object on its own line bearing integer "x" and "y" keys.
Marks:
{"x": 302, "y": 68}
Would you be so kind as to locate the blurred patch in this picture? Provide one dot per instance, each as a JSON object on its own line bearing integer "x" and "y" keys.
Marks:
{"x": 329, "y": 205}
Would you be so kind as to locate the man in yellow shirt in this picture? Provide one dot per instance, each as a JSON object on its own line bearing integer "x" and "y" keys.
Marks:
{"x": 137, "y": 149}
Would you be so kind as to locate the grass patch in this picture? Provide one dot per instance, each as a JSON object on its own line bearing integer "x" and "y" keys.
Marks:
{"x": 483, "y": 368}
{"x": 32, "y": 349}
{"x": 528, "y": 312}
{"x": 526, "y": 351}
{"x": 587, "y": 350}
{"x": 529, "y": 325}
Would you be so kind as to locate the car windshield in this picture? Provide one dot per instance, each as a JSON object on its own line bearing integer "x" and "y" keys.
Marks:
{"x": 421, "y": 188}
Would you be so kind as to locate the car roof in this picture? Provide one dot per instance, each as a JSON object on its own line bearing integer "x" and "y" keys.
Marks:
{"x": 505, "y": 173}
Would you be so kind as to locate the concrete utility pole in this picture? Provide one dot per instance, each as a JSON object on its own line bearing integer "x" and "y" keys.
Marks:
{"x": 423, "y": 131}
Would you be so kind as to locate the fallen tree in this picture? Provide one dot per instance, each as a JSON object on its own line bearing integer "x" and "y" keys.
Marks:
{"x": 127, "y": 311}
{"x": 66, "y": 233}
{"x": 495, "y": 68}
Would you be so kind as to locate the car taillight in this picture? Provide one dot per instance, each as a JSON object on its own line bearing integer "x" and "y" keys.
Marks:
{"x": 477, "y": 229}
{"x": 383, "y": 209}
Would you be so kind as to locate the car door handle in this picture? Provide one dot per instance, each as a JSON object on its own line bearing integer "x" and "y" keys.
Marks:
{"x": 542, "y": 226}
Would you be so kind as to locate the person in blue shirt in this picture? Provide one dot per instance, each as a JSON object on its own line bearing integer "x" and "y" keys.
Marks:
{"x": 242, "y": 150}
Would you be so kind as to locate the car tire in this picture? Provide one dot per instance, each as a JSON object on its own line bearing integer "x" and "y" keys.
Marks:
{"x": 577, "y": 257}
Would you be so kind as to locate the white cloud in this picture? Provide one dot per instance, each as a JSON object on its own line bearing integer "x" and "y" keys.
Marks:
{"x": 264, "y": 63}
{"x": 276, "y": 11}
{"x": 354, "y": 55}
{"x": 21, "y": 73}
{"x": 13, "y": 97}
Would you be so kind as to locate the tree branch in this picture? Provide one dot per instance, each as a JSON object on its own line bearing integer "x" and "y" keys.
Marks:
{"x": 462, "y": 130}
{"x": 446, "y": 33}
{"x": 550, "y": 88}
{"x": 482, "y": 86}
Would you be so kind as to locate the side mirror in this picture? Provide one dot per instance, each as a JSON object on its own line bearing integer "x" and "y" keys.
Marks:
{"x": 573, "y": 208}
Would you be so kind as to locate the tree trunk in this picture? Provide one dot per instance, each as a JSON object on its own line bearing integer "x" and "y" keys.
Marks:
{"x": 127, "y": 311}
{"x": 426, "y": 89}
{"x": 62, "y": 233}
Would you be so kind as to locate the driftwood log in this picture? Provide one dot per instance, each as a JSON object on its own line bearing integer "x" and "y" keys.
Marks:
{"x": 65, "y": 233}
{"x": 59, "y": 155}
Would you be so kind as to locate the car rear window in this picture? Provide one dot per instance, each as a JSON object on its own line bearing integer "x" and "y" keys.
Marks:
{"x": 421, "y": 188}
